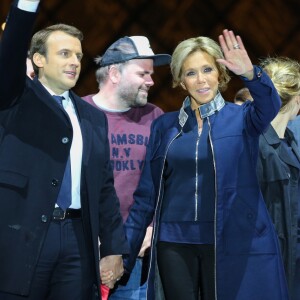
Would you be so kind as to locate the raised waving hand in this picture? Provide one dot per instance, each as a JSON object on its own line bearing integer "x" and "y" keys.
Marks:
{"x": 236, "y": 56}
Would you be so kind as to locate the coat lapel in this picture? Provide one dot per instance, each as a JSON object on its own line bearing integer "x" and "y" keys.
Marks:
{"x": 274, "y": 141}
{"x": 44, "y": 96}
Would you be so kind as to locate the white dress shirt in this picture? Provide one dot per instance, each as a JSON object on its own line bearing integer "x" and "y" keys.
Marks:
{"x": 76, "y": 148}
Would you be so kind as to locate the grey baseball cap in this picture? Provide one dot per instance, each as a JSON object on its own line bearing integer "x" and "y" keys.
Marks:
{"x": 133, "y": 47}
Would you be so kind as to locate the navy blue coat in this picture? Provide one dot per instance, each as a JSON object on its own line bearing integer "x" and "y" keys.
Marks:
{"x": 32, "y": 162}
{"x": 248, "y": 264}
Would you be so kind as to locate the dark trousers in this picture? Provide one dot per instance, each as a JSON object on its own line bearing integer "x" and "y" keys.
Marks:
{"x": 186, "y": 271}
{"x": 65, "y": 268}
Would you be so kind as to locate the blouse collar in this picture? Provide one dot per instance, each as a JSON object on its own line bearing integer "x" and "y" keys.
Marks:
{"x": 205, "y": 110}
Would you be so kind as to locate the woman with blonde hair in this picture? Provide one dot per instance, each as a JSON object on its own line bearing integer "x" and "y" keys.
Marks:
{"x": 213, "y": 237}
{"x": 279, "y": 167}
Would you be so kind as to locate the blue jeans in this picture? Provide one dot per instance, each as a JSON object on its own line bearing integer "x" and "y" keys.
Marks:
{"x": 132, "y": 290}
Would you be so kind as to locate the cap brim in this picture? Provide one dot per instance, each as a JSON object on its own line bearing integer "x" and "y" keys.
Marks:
{"x": 158, "y": 59}
{"x": 161, "y": 59}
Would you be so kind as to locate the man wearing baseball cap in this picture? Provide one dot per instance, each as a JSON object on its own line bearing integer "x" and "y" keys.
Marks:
{"x": 124, "y": 78}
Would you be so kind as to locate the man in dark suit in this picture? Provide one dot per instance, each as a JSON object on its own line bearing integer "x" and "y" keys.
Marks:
{"x": 56, "y": 184}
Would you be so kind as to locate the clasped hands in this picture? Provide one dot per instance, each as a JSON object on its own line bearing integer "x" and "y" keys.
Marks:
{"x": 111, "y": 270}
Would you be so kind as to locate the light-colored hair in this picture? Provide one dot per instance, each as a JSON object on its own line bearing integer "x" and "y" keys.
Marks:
{"x": 192, "y": 45}
{"x": 285, "y": 75}
{"x": 102, "y": 72}
{"x": 40, "y": 38}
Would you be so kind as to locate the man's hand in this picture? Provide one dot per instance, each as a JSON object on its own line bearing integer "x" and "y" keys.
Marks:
{"x": 111, "y": 269}
{"x": 147, "y": 241}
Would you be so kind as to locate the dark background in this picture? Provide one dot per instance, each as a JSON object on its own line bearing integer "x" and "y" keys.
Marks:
{"x": 268, "y": 28}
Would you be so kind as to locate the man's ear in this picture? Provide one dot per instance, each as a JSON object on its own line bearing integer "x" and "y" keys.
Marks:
{"x": 38, "y": 59}
{"x": 114, "y": 74}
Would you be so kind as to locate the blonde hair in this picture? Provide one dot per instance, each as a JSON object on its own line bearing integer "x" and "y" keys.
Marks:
{"x": 192, "y": 45}
{"x": 285, "y": 75}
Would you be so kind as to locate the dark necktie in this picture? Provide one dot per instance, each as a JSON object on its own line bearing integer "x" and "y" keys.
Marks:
{"x": 64, "y": 198}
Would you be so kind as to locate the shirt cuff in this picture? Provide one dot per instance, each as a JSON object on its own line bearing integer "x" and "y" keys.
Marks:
{"x": 28, "y": 5}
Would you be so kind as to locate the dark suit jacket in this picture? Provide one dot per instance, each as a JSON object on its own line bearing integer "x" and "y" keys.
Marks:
{"x": 32, "y": 162}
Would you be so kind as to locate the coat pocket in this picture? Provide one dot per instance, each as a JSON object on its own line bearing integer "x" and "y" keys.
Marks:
{"x": 12, "y": 179}
{"x": 247, "y": 226}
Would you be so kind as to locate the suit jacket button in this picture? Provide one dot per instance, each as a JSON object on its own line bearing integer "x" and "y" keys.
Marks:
{"x": 54, "y": 182}
{"x": 44, "y": 218}
{"x": 65, "y": 140}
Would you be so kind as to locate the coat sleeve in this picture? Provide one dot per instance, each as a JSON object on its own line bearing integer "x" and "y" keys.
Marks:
{"x": 13, "y": 52}
{"x": 266, "y": 103}
{"x": 111, "y": 231}
{"x": 142, "y": 211}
